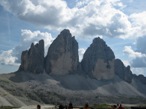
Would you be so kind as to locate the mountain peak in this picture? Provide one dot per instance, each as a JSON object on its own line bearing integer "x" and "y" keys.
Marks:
{"x": 98, "y": 40}
{"x": 32, "y": 60}
{"x": 65, "y": 33}
{"x": 62, "y": 57}
{"x": 98, "y": 60}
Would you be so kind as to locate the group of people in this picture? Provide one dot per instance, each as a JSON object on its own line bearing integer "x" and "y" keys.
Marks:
{"x": 118, "y": 106}
{"x": 70, "y": 106}
{"x": 86, "y": 106}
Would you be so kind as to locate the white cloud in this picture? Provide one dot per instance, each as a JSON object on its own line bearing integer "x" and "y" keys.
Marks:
{"x": 140, "y": 47}
{"x": 139, "y": 71}
{"x": 138, "y": 24}
{"x": 138, "y": 18}
{"x": 88, "y": 18}
{"x": 97, "y": 17}
{"x": 81, "y": 3}
{"x": 44, "y": 12}
{"x": 139, "y": 54}
{"x": 132, "y": 53}
{"x": 7, "y": 58}
{"x": 28, "y": 37}
{"x": 81, "y": 53}
{"x": 126, "y": 63}
{"x": 12, "y": 57}
{"x": 91, "y": 18}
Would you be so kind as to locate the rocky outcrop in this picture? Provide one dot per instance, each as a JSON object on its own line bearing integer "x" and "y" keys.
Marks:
{"x": 98, "y": 60}
{"x": 32, "y": 60}
{"x": 62, "y": 57}
{"x": 122, "y": 71}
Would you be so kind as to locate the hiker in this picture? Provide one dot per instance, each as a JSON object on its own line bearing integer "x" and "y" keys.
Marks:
{"x": 38, "y": 106}
{"x": 70, "y": 106}
{"x": 61, "y": 106}
{"x": 114, "y": 107}
{"x": 120, "y": 107}
{"x": 86, "y": 106}
{"x": 65, "y": 107}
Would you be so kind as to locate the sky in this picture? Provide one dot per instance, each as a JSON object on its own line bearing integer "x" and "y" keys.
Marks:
{"x": 121, "y": 23}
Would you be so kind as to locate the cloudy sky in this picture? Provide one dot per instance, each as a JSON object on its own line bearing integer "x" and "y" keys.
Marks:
{"x": 121, "y": 23}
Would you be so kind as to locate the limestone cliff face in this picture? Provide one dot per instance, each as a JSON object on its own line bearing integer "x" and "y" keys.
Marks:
{"x": 98, "y": 60}
{"x": 32, "y": 60}
{"x": 62, "y": 57}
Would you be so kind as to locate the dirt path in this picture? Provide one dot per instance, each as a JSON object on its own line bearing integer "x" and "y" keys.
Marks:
{"x": 35, "y": 107}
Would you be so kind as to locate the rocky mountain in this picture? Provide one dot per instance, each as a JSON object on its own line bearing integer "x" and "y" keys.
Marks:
{"x": 32, "y": 60}
{"x": 60, "y": 77}
{"x": 62, "y": 57}
{"x": 98, "y": 60}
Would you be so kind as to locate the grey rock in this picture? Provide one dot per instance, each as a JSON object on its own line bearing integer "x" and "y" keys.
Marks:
{"x": 32, "y": 60}
{"x": 98, "y": 60}
{"x": 122, "y": 71}
{"x": 140, "y": 78}
{"x": 62, "y": 57}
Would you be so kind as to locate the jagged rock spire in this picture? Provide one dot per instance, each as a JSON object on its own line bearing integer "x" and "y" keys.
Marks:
{"x": 98, "y": 60}
{"x": 62, "y": 57}
{"x": 32, "y": 60}
{"x": 123, "y": 72}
